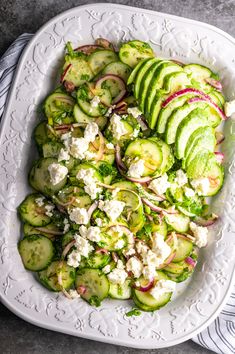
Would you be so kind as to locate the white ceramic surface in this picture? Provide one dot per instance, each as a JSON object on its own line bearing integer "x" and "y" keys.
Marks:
{"x": 194, "y": 305}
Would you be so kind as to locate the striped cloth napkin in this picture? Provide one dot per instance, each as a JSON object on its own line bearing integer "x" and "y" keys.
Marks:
{"x": 220, "y": 335}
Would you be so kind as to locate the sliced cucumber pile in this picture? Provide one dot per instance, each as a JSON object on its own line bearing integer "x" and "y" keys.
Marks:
{"x": 126, "y": 159}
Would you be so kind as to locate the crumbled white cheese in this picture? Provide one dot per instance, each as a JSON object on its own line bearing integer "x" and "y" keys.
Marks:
{"x": 136, "y": 169}
{"x": 63, "y": 155}
{"x": 134, "y": 111}
{"x": 200, "y": 233}
{"x": 57, "y": 172}
{"x": 229, "y": 108}
{"x": 113, "y": 208}
{"x": 107, "y": 269}
{"x": 160, "y": 247}
{"x": 66, "y": 139}
{"x": 87, "y": 176}
{"x": 117, "y": 276}
{"x": 82, "y": 245}
{"x": 119, "y": 244}
{"x": 189, "y": 192}
{"x": 49, "y": 209}
{"x": 95, "y": 101}
{"x": 135, "y": 266}
{"x": 99, "y": 222}
{"x": 135, "y": 132}
{"x": 78, "y": 148}
{"x": 74, "y": 259}
{"x": 115, "y": 192}
{"x": 160, "y": 185}
{"x": 73, "y": 294}
{"x": 149, "y": 272}
{"x": 141, "y": 248}
{"x": 92, "y": 233}
{"x": 162, "y": 286}
{"x": 109, "y": 111}
{"x": 120, "y": 264}
{"x": 91, "y": 131}
{"x": 40, "y": 201}
{"x": 201, "y": 185}
{"x": 79, "y": 215}
{"x": 181, "y": 178}
{"x": 66, "y": 225}
{"x": 151, "y": 259}
{"x": 117, "y": 126}
{"x": 89, "y": 155}
{"x": 129, "y": 252}
{"x": 110, "y": 146}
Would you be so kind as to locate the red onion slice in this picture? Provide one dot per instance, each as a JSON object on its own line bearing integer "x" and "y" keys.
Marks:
{"x": 211, "y": 103}
{"x": 100, "y": 153}
{"x": 219, "y": 156}
{"x": 121, "y": 85}
{"x": 81, "y": 290}
{"x": 88, "y": 49}
{"x": 102, "y": 251}
{"x": 157, "y": 208}
{"x": 191, "y": 262}
{"x": 219, "y": 138}
{"x": 68, "y": 248}
{"x": 48, "y": 231}
{"x": 184, "y": 92}
{"x": 214, "y": 83}
{"x": 142, "y": 123}
{"x": 168, "y": 260}
{"x": 206, "y": 222}
{"x": 92, "y": 208}
{"x": 102, "y": 42}
{"x": 65, "y": 72}
{"x": 118, "y": 157}
{"x": 145, "y": 288}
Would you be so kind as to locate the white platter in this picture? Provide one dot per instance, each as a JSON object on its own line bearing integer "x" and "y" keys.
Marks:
{"x": 194, "y": 306}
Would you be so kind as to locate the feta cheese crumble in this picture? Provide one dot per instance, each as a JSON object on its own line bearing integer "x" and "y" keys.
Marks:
{"x": 136, "y": 169}
{"x": 49, "y": 208}
{"x": 95, "y": 101}
{"x": 201, "y": 185}
{"x": 189, "y": 192}
{"x": 79, "y": 215}
{"x": 82, "y": 245}
{"x": 134, "y": 111}
{"x": 40, "y": 201}
{"x": 106, "y": 269}
{"x": 57, "y": 172}
{"x": 117, "y": 126}
{"x": 63, "y": 155}
{"x": 73, "y": 294}
{"x": 162, "y": 286}
{"x": 66, "y": 225}
{"x": 160, "y": 185}
{"x": 117, "y": 276}
{"x": 135, "y": 266}
{"x": 74, "y": 259}
{"x": 119, "y": 244}
{"x": 99, "y": 222}
{"x": 229, "y": 108}
{"x": 181, "y": 178}
{"x": 113, "y": 208}
{"x": 91, "y": 131}
{"x": 78, "y": 148}
{"x": 149, "y": 272}
{"x": 92, "y": 233}
{"x": 110, "y": 146}
{"x": 200, "y": 233}
{"x": 160, "y": 247}
{"x": 87, "y": 176}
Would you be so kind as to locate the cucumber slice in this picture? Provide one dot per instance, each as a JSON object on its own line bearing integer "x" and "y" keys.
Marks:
{"x": 107, "y": 171}
{"x": 98, "y": 60}
{"x": 96, "y": 284}
{"x": 66, "y": 238}
{"x": 179, "y": 278}
{"x": 83, "y": 166}
{"x": 32, "y": 213}
{"x": 73, "y": 196}
{"x": 178, "y": 222}
{"x": 167, "y": 156}
{"x": 183, "y": 249}
{"x": 36, "y": 252}
{"x": 97, "y": 260}
{"x": 51, "y": 149}
{"x": 146, "y": 302}
{"x": 192, "y": 122}
{"x": 30, "y": 230}
{"x": 40, "y": 133}
{"x": 85, "y": 95}
{"x": 194, "y": 138}
{"x": 77, "y": 70}
{"x": 137, "y": 220}
{"x": 132, "y": 52}
{"x": 80, "y": 116}
{"x": 58, "y": 108}
{"x": 120, "y": 291}
{"x": 117, "y": 68}
{"x": 39, "y": 177}
{"x": 141, "y": 75}
{"x": 198, "y": 72}
{"x": 175, "y": 81}
{"x": 198, "y": 165}
{"x": 146, "y": 150}
{"x": 113, "y": 84}
{"x": 134, "y": 72}
{"x": 113, "y": 239}
{"x": 49, "y": 276}
{"x": 160, "y": 228}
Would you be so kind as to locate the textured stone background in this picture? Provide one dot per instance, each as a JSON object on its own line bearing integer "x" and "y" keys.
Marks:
{"x": 18, "y": 16}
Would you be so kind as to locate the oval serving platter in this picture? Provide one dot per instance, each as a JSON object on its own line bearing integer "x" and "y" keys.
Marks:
{"x": 198, "y": 301}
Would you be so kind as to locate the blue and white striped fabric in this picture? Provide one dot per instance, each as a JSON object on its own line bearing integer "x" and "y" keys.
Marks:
{"x": 220, "y": 335}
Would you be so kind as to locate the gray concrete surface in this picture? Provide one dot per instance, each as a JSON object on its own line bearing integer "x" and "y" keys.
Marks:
{"x": 18, "y": 16}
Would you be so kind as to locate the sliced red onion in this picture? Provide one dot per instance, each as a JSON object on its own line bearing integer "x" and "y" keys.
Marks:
{"x": 119, "y": 161}
{"x": 157, "y": 208}
{"x": 81, "y": 290}
{"x": 219, "y": 137}
{"x": 211, "y": 103}
{"x": 219, "y": 156}
{"x": 183, "y": 92}
{"x": 115, "y": 257}
{"x": 214, "y": 83}
{"x": 69, "y": 86}
{"x": 168, "y": 260}
{"x": 102, "y": 42}
{"x": 92, "y": 208}
{"x": 48, "y": 231}
{"x": 142, "y": 123}
{"x": 100, "y": 153}
{"x": 121, "y": 84}
{"x": 64, "y": 204}
{"x": 154, "y": 196}
{"x": 178, "y": 62}
{"x": 145, "y": 288}
{"x": 68, "y": 248}
{"x": 191, "y": 261}
{"x": 88, "y": 49}
{"x": 142, "y": 180}
{"x": 206, "y": 222}
{"x": 63, "y": 127}
{"x": 102, "y": 251}
{"x": 65, "y": 72}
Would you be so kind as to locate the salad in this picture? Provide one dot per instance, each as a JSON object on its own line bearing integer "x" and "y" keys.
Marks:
{"x": 127, "y": 154}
